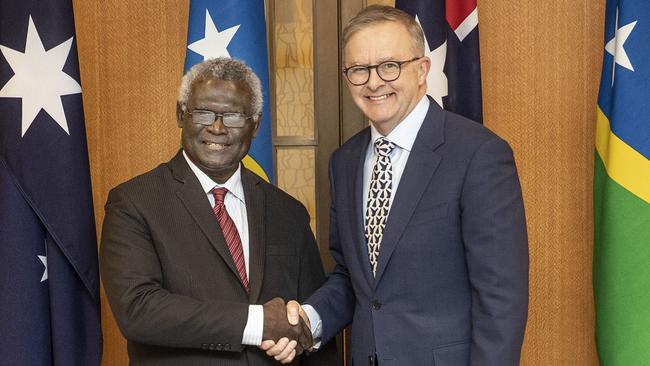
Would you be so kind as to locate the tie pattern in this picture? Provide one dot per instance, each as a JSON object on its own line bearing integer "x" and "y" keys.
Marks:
{"x": 230, "y": 234}
{"x": 379, "y": 193}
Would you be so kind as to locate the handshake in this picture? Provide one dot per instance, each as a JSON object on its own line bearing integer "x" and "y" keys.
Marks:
{"x": 287, "y": 332}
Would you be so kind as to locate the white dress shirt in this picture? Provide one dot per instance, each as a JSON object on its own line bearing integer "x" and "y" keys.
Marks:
{"x": 235, "y": 203}
{"x": 403, "y": 136}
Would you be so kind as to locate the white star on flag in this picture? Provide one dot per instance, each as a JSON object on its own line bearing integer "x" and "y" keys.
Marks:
{"x": 44, "y": 261}
{"x": 39, "y": 78}
{"x": 436, "y": 79}
{"x": 615, "y": 46}
{"x": 215, "y": 43}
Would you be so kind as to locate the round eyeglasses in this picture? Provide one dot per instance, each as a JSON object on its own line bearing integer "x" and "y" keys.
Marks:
{"x": 387, "y": 71}
{"x": 207, "y": 118}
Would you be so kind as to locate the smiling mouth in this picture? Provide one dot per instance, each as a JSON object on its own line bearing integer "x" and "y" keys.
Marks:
{"x": 215, "y": 146}
{"x": 378, "y": 98}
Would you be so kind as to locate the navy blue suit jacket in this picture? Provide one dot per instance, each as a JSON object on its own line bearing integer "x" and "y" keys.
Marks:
{"x": 451, "y": 287}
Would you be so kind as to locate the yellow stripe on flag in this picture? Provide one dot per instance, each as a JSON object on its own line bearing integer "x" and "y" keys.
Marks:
{"x": 253, "y": 166}
{"x": 624, "y": 165}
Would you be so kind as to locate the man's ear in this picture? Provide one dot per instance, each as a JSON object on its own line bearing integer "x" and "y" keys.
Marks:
{"x": 179, "y": 115}
{"x": 256, "y": 120}
{"x": 424, "y": 67}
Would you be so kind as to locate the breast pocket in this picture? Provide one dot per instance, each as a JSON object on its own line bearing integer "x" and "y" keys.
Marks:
{"x": 427, "y": 214}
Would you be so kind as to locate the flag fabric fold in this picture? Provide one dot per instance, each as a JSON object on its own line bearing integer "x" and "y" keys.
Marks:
{"x": 451, "y": 31}
{"x": 237, "y": 29}
{"x": 49, "y": 282}
{"x": 621, "y": 273}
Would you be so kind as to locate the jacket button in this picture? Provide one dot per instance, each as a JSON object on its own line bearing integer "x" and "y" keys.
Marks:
{"x": 371, "y": 360}
{"x": 226, "y": 347}
{"x": 219, "y": 347}
{"x": 204, "y": 346}
{"x": 375, "y": 304}
{"x": 211, "y": 347}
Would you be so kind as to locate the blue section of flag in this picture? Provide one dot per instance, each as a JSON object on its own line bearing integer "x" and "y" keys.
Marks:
{"x": 45, "y": 210}
{"x": 462, "y": 65}
{"x": 249, "y": 44}
{"x": 625, "y": 103}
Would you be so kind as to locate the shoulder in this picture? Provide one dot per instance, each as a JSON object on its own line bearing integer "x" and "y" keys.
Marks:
{"x": 279, "y": 203}
{"x": 145, "y": 185}
{"x": 465, "y": 135}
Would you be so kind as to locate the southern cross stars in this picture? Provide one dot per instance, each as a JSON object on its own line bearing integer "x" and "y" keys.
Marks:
{"x": 214, "y": 43}
{"x": 436, "y": 79}
{"x": 39, "y": 79}
{"x": 615, "y": 46}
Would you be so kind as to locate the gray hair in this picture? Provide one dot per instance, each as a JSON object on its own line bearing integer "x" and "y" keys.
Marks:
{"x": 376, "y": 14}
{"x": 222, "y": 68}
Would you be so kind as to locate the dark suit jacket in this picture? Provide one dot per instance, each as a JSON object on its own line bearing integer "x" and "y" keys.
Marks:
{"x": 171, "y": 281}
{"x": 451, "y": 287}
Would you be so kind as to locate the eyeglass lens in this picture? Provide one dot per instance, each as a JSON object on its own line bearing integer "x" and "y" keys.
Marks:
{"x": 207, "y": 118}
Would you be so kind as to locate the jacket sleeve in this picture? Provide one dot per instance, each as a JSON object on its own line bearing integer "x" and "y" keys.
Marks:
{"x": 496, "y": 247}
{"x": 145, "y": 311}
{"x": 334, "y": 301}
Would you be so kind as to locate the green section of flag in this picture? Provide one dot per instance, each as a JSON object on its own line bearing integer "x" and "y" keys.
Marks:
{"x": 621, "y": 273}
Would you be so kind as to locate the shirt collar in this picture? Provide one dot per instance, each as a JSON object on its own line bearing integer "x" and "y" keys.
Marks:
{"x": 233, "y": 184}
{"x": 404, "y": 134}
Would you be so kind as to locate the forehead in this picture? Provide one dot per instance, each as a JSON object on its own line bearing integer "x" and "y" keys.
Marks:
{"x": 379, "y": 42}
{"x": 211, "y": 90}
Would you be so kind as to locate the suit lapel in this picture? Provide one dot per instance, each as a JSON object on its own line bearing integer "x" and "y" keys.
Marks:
{"x": 355, "y": 169}
{"x": 195, "y": 201}
{"x": 256, "y": 213}
{"x": 422, "y": 163}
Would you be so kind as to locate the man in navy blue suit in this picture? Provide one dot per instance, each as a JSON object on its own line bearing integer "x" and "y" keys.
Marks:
{"x": 427, "y": 220}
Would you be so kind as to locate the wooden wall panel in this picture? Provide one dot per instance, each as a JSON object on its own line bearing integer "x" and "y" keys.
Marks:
{"x": 131, "y": 55}
{"x": 540, "y": 63}
{"x": 540, "y": 67}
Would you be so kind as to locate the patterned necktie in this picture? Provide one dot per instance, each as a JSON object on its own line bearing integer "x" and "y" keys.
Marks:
{"x": 230, "y": 233}
{"x": 378, "y": 199}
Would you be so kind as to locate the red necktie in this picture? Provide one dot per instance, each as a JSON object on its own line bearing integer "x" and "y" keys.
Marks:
{"x": 230, "y": 233}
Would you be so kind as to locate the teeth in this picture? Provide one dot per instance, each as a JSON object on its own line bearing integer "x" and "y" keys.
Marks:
{"x": 380, "y": 97}
{"x": 216, "y": 147}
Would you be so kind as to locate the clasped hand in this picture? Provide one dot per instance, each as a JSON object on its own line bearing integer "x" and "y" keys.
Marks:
{"x": 285, "y": 335}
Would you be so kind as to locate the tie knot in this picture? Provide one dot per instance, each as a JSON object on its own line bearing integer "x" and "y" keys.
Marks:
{"x": 219, "y": 193}
{"x": 383, "y": 146}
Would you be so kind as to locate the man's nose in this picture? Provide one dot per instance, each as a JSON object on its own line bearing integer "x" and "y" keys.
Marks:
{"x": 374, "y": 81}
{"x": 217, "y": 126}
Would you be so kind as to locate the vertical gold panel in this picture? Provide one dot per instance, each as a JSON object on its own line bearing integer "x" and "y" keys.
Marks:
{"x": 294, "y": 63}
{"x": 540, "y": 67}
{"x": 297, "y": 176}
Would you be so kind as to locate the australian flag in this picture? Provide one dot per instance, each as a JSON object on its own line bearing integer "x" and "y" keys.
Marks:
{"x": 49, "y": 289}
{"x": 451, "y": 32}
{"x": 237, "y": 29}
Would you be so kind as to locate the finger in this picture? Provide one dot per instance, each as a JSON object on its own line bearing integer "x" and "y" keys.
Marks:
{"x": 267, "y": 344}
{"x": 305, "y": 337}
{"x": 286, "y": 351}
{"x": 293, "y": 312}
{"x": 290, "y": 358}
{"x": 278, "y": 348}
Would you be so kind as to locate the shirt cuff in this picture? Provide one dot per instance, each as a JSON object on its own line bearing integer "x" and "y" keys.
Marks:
{"x": 254, "y": 326}
{"x": 316, "y": 325}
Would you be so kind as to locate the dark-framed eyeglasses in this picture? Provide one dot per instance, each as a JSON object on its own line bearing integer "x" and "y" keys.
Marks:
{"x": 229, "y": 119}
{"x": 387, "y": 71}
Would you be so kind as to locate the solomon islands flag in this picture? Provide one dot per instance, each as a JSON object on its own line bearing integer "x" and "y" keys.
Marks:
{"x": 237, "y": 29}
{"x": 622, "y": 188}
{"x": 49, "y": 283}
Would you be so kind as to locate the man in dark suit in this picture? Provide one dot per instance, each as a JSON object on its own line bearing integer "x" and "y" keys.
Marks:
{"x": 190, "y": 248}
{"x": 427, "y": 219}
